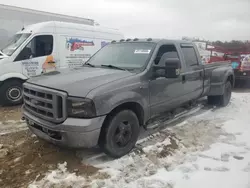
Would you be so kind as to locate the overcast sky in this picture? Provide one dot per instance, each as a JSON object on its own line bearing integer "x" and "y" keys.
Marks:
{"x": 209, "y": 19}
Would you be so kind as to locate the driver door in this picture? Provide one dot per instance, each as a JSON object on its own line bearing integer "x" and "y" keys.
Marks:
{"x": 165, "y": 93}
{"x": 37, "y": 56}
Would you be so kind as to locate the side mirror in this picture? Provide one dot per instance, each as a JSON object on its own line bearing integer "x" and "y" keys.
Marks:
{"x": 170, "y": 70}
{"x": 172, "y": 67}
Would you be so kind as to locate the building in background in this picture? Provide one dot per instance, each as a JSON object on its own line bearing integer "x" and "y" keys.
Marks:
{"x": 12, "y": 19}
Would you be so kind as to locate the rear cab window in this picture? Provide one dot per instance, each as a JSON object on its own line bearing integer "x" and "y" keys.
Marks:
{"x": 190, "y": 55}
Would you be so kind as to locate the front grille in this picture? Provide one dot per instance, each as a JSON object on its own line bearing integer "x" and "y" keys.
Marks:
{"x": 45, "y": 103}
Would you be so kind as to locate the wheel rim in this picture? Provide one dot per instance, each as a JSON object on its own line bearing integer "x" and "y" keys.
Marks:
{"x": 123, "y": 134}
{"x": 14, "y": 94}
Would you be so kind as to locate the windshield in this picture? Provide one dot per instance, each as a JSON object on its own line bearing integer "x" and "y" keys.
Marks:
{"x": 14, "y": 43}
{"x": 123, "y": 55}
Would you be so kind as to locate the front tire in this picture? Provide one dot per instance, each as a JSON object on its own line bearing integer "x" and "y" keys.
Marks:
{"x": 11, "y": 92}
{"x": 120, "y": 133}
{"x": 222, "y": 100}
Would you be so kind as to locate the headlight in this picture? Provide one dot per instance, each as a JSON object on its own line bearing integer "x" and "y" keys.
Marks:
{"x": 80, "y": 107}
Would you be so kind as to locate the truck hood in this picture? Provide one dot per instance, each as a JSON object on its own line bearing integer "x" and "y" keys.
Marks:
{"x": 78, "y": 81}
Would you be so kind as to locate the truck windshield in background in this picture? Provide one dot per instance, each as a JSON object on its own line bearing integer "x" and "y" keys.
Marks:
{"x": 14, "y": 43}
{"x": 124, "y": 55}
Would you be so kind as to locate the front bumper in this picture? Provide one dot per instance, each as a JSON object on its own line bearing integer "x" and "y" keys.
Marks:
{"x": 73, "y": 133}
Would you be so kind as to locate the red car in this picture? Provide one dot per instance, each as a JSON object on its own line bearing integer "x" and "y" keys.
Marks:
{"x": 242, "y": 71}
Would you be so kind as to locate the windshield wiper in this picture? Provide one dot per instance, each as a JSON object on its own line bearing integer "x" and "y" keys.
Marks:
{"x": 113, "y": 67}
{"x": 89, "y": 64}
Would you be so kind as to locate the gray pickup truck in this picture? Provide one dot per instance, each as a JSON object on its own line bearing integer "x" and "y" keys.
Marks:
{"x": 121, "y": 88}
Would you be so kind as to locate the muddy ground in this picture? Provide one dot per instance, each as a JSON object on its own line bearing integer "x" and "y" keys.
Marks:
{"x": 28, "y": 158}
{"x": 25, "y": 158}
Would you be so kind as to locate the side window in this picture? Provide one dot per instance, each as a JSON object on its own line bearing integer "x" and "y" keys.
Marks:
{"x": 39, "y": 46}
{"x": 190, "y": 56}
{"x": 169, "y": 49}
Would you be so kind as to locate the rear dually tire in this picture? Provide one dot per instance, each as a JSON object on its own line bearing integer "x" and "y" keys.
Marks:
{"x": 222, "y": 100}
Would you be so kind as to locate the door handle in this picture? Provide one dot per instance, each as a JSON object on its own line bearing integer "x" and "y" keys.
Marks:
{"x": 183, "y": 78}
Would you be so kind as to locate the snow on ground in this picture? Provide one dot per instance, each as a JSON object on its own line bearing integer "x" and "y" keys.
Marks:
{"x": 12, "y": 126}
{"x": 10, "y": 120}
{"x": 60, "y": 178}
{"x": 208, "y": 150}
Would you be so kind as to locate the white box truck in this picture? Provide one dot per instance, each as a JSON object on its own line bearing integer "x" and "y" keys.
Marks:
{"x": 44, "y": 47}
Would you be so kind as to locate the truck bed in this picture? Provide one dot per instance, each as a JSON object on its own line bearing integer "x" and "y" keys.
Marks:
{"x": 218, "y": 64}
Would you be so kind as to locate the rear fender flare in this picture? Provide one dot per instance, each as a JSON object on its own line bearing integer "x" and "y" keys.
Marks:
{"x": 219, "y": 78}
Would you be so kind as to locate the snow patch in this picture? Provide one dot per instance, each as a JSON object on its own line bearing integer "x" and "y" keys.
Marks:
{"x": 11, "y": 128}
{"x": 60, "y": 178}
{"x": 157, "y": 147}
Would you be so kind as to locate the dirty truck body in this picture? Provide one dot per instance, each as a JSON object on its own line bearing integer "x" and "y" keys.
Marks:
{"x": 122, "y": 87}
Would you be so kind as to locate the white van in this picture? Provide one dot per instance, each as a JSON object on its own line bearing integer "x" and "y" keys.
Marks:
{"x": 44, "y": 47}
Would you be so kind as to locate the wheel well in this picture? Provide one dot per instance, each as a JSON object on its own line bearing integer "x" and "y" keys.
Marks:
{"x": 14, "y": 79}
{"x": 231, "y": 80}
{"x": 133, "y": 106}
